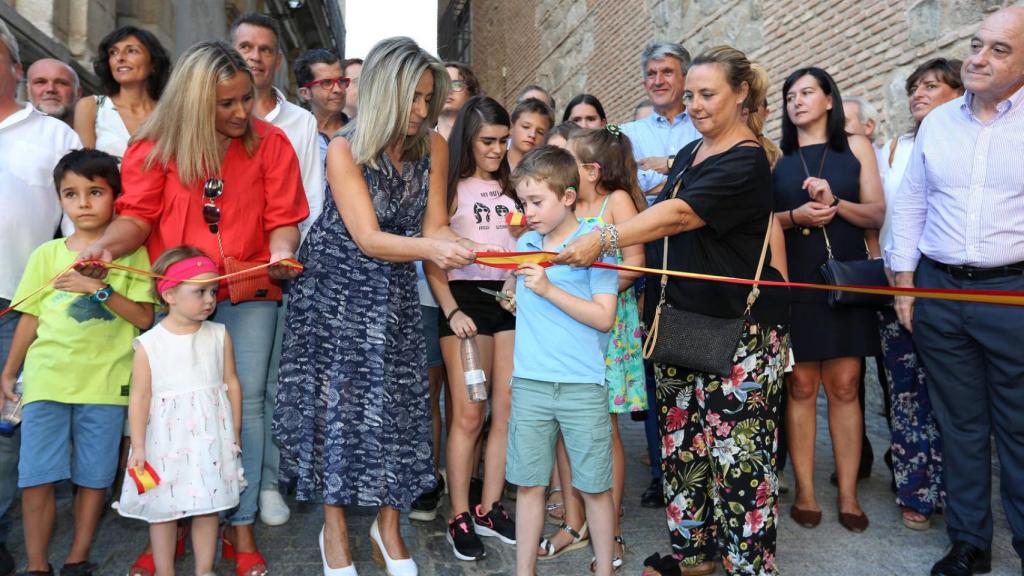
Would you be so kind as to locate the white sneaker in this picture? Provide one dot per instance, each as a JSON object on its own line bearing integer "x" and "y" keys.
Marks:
{"x": 273, "y": 510}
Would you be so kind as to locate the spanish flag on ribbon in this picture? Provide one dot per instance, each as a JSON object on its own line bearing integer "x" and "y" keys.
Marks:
{"x": 146, "y": 479}
{"x": 515, "y": 219}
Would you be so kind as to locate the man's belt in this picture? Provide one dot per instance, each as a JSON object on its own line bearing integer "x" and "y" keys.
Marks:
{"x": 976, "y": 273}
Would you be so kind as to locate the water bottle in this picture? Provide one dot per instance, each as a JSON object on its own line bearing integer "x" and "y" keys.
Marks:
{"x": 474, "y": 376}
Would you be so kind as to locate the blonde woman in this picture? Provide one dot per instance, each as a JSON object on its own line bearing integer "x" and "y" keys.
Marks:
{"x": 203, "y": 171}
{"x": 352, "y": 414}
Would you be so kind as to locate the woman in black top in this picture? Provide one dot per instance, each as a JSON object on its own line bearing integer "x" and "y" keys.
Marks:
{"x": 826, "y": 186}
{"x": 720, "y": 478}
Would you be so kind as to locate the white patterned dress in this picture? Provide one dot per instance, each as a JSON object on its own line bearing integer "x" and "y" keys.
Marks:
{"x": 190, "y": 441}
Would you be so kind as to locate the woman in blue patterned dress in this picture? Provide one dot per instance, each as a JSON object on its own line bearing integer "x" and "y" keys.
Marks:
{"x": 352, "y": 414}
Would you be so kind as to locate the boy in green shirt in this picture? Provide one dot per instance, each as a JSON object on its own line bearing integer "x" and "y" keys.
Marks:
{"x": 75, "y": 341}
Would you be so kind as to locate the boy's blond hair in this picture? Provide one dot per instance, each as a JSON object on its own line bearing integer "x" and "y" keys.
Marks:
{"x": 553, "y": 166}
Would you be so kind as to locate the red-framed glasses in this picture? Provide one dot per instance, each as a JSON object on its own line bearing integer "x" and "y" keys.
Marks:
{"x": 329, "y": 83}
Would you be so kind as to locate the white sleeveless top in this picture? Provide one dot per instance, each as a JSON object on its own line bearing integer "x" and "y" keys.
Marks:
{"x": 111, "y": 135}
{"x": 190, "y": 438}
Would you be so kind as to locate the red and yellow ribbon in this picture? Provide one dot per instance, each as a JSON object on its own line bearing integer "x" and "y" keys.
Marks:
{"x": 512, "y": 260}
{"x": 145, "y": 479}
{"x": 288, "y": 262}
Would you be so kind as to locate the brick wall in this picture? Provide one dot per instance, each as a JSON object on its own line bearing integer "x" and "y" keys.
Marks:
{"x": 572, "y": 46}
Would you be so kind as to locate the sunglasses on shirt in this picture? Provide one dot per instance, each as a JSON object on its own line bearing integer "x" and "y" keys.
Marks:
{"x": 212, "y": 190}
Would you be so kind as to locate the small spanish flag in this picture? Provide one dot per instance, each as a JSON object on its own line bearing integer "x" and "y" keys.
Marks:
{"x": 147, "y": 479}
{"x": 515, "y": 219}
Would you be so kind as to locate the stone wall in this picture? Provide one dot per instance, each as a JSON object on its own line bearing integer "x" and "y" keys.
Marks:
{"x": 571, "y": 46}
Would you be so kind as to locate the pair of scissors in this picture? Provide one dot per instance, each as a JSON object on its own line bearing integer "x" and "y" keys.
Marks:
{"x": 499, "y": 295}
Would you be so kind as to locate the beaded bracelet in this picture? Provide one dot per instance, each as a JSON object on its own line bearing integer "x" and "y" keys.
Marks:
{"x": 613, "y": 243}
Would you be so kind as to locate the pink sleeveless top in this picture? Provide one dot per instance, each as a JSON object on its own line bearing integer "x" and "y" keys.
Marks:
{"x": 480, "y": 216}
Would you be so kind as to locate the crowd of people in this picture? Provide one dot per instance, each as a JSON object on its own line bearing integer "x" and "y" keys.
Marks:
{"x": 157, "y": 375}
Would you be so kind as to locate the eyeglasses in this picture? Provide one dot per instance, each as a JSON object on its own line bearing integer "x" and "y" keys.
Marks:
{"x": 329, "y": 83}
{"x": 212, "y": 190}
{"x": 457, "y": 86}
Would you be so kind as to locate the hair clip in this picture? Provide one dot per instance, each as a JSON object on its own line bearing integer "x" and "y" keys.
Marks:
{"x": 613, "y": 129}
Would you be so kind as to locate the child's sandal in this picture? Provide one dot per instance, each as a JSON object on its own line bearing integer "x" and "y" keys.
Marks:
{"x": 579, "y": 540}
{"x": 616, "y": 559}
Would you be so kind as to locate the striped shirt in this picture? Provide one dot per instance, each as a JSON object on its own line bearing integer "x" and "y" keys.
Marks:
{"x": 962, "y": 199}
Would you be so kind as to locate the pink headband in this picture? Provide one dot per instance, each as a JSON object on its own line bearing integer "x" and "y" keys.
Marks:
{"x": 184, "y": 270}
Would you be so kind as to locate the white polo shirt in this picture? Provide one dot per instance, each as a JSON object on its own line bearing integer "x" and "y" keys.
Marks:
{"x": 301, "y": 129}
{"x": 31, "y": 144}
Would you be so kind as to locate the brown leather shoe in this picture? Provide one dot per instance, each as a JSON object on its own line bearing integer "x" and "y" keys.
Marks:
{"x": 854, "y": 522}
{"x": 805, "y": 518}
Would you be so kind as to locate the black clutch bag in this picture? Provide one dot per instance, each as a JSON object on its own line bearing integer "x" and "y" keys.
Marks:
{"x": 870, "y": 272}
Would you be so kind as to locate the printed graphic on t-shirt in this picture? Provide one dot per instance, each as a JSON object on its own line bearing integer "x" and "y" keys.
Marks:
{"x": 83, "y": 308}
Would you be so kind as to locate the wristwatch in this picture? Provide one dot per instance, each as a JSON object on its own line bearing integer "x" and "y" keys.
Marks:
{"x": 835, "y": 201}
{"x": 102, "y": 295}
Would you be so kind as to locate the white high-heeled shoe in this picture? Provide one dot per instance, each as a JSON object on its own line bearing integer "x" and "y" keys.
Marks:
{"x": 404, "y": 567}
{"x": 349, "y": 570}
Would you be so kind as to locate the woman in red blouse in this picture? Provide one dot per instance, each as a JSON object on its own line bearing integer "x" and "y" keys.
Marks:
{"x": 203, "y": 171}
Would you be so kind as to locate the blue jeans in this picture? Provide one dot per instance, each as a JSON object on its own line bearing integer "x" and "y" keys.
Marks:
{"x": 252, "y": 326}
{"x": 271, "y": 452}
{"x": 9, "y": 445}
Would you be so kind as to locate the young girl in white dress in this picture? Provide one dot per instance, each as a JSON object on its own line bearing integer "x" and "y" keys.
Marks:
{"x": 185, "y": 414}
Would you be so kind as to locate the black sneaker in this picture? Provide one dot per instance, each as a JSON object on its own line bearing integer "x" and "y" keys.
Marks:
{"x": 78, "y": 569}
{"x": 465, "y": 543}
{"x": 476, "y": 492}
{"x": 654, "y": 496}
{"x": 495, "y": 523}
{"x": 6, "y": 561}
{"x": 425, "y": 507}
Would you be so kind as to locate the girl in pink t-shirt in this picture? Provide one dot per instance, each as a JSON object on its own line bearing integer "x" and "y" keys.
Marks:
{"x": 478, "y": 203}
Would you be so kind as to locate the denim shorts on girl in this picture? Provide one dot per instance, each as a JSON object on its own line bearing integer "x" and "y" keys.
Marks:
{"x": 539, "y": 411}
{"x": 77, "y": 441}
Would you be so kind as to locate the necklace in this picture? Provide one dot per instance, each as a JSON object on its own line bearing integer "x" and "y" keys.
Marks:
{"x": 821, "y": 167}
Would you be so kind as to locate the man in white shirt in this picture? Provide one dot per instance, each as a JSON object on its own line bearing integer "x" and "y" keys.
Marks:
{"x": 862, "y": 118}
{"x": 31, "y": 143}
{"x": 958, "y": 223}
{"x": 53, "y": 88}
{"x": 256, "y": 37}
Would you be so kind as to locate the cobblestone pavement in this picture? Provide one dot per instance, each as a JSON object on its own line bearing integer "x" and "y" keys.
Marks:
{"x": 886, "y": 548}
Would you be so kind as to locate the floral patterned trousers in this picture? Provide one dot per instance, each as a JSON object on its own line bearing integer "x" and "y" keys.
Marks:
{"x": 719, "y": 440}
{"x": 916, "y": 443}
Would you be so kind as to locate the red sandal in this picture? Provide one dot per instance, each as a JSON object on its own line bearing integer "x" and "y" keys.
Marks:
{"x": 144, "y": 565}
{"x": 244, "y": 561}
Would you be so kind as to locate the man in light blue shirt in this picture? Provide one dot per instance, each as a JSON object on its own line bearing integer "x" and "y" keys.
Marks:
{"x": 658, "y": 137}
{"x": 958, "y": 223}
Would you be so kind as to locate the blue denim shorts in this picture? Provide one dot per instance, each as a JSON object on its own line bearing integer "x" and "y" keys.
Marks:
{"x": 77, "y": 441}
{"x": 539, "y": 411}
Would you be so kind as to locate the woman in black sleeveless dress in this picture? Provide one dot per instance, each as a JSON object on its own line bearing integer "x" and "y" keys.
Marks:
{"x": 826, "y": 185}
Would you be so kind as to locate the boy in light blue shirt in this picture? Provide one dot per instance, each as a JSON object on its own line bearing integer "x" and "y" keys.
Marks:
{"x": 563, "y": 316}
